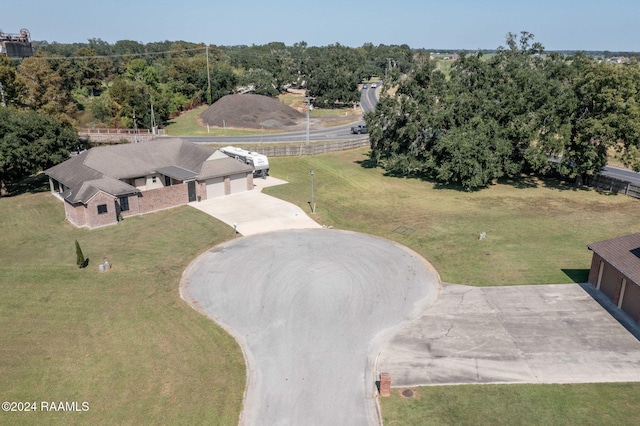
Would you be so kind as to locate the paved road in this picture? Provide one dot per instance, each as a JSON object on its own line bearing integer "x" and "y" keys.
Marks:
{"x": 311, "y": 310}
{"x": 369, "y": 97}
{"x": 521, "y": 334}
{"x": 621, "y": 174}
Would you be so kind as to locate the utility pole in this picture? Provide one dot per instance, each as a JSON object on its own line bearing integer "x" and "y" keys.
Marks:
{"x": 313, "y": 200}
{"x": 135, "y": 128}
{"x": 208, "y": 77}
{"x": 309, "y": 108}
{"x": 153, "y": 121}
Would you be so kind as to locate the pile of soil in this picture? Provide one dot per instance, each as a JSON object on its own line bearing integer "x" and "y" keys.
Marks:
{"x": 250, "y": 111}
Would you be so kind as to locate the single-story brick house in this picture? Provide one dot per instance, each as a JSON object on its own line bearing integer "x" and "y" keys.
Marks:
{"x": 105, "y": 184}
{"x": 615, "y": 271}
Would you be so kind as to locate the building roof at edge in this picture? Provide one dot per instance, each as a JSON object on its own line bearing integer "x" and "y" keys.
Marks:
{"x": 621, "y": 252}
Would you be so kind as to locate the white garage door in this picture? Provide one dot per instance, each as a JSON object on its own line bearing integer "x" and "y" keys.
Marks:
{"x": 215, "y": 188}
{"x": 238, "y": 183}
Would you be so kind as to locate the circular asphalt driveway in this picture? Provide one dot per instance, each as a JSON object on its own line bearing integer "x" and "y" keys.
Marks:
{"x": 311, "y": 310}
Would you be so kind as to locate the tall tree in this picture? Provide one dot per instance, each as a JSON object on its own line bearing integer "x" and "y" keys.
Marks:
{"x": 11, "y": 88}
{"x": 334, "y": 77}
{"x": 506, "y": 114}
{"x": 31, "y": 142}
{"x": 607, "y": 114}
{"x": 43, "y": 89}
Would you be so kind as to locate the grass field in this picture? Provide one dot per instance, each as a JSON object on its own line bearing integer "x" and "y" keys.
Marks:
{"x": 537, "y": 231}
{"x": 126, "y": 343}
{"x": 121, "y": 340}
{"x": 590, "y": 404}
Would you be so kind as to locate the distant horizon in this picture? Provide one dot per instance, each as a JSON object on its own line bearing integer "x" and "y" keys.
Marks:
{"x": 559, "y": 25}
{"x": 429, "y": 49}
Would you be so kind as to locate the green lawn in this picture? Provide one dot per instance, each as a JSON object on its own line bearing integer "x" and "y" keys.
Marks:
{"x": 122, "y": 340}
{"x": 587, "y": 404}
{"x": 126, "y": 343}
{"x": 537, "y": 231}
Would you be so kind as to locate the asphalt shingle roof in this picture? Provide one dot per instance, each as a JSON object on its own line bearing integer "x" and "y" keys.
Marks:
{"x": 105, "y": 168}
{"x": 623, "y": 253}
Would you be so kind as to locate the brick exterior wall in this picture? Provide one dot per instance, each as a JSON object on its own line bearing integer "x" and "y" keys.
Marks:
{"x": 163, "y": 198}
{"x": 146, "y": 202}
{"x": 134, "y": 207}
{"x": 87, "y": 215}
{"x": 631, "y": 301}
{"x": 95, "y": 219}
{"x": 75, "y": 214}
{"x": 611, "y": 282}
{"x": 616, "y": 293}
{"x": 595, "y": 268}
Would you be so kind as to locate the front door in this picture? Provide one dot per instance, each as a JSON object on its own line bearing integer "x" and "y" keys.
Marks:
{"x": 192, "y": 190}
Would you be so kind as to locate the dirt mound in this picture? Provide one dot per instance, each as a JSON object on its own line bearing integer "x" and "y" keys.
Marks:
{"x": 252, "y": 111}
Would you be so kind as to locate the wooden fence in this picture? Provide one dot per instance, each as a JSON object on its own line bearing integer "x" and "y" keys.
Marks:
{"x": 106, "y": 136}
{"x": 615, "y": 185}
{"x": 313, "y": 149}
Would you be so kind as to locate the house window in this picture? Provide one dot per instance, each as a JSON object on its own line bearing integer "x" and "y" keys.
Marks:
{"x": 167, "y": 181}
{"x": 153, "y": 179}
{"x": 102, "y": 208}
{"x": 124, "y": 204}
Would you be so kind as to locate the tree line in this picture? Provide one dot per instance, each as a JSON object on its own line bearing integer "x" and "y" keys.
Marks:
{"x": 97, "y": 84}
{"x": 517, "y": 111}
{"x": 106, "y": 85}
{"x": 493, "y": 115}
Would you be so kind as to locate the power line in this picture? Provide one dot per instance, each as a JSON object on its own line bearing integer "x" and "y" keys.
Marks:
{"x": 60, "y": 58}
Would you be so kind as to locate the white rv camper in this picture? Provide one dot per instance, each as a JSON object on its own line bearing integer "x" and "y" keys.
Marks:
{"x": 259, "y": 162}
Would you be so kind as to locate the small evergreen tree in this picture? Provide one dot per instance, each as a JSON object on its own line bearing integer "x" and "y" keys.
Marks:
{"x": 79, "y": 256}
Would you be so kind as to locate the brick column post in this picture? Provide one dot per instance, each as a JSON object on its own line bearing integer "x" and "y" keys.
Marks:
{"x": 385, "y": 384}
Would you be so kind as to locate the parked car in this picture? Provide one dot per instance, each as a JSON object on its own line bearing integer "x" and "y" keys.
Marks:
{"x": 358, "y": 130}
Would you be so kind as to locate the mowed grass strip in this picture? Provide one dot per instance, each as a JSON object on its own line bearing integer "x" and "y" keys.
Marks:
{"x": 121, "y": 340}
{"x": 536, "y": 230}
{"x": 580, "y": 404}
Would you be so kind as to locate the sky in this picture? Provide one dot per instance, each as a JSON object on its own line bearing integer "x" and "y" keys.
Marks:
{"x": 455, "y": 24}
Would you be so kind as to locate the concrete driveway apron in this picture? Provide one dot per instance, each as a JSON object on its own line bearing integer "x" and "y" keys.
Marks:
{"x": 254, "y": 212}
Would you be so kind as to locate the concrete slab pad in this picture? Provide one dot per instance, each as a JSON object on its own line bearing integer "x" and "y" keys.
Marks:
{"x": 519, "y": 334}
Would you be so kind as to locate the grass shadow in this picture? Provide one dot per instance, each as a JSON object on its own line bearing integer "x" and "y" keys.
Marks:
{"x": 521, "y": 182}
{"x": 367, "y": 163}
{"x": 30, "y": 185}
{"x": 577, "y": 275}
